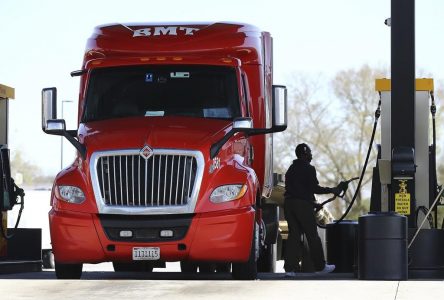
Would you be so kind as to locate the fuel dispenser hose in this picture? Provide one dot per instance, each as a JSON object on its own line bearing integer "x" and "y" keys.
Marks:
{"x": 375, "y": 124}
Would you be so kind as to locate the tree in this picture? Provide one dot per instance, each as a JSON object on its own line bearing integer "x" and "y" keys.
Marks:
{"x": 32, "y": 174}
{"x": 338, "y": 129}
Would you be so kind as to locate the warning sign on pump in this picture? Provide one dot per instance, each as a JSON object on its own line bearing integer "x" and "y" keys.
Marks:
{"x": 402, "y": 203}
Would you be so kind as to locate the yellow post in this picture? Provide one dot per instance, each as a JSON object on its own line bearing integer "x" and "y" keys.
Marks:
{"x": 7, "y": 92}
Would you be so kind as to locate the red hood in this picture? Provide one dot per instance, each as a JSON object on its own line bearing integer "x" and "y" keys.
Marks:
{"x": 157, "y": 132}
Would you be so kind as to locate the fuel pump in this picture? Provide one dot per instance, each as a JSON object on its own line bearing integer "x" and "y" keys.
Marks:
{"x": 20, "y": 249}
{"x": 404, "y": 189}
{"x": 408, "y": 179}
{"x": 6, "y": 93}
{"x": 405, "y": 185}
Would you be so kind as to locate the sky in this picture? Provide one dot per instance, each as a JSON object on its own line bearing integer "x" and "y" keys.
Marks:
{"x": 43, "y": 41}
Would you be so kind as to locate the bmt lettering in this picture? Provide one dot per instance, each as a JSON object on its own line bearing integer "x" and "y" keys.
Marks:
{"x": 160, "y": 30}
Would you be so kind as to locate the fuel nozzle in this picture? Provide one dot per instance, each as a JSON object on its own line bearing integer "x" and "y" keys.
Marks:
{"x": 343, "y": 186}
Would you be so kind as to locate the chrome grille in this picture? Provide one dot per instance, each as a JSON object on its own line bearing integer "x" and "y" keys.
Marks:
{"x": 163, "y": 180}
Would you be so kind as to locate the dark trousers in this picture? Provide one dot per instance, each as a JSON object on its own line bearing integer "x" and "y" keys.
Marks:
{"x": 301, "y": 219}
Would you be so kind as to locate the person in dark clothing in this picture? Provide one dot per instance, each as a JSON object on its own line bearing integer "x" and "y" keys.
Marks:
{"x": 301, "y": 184}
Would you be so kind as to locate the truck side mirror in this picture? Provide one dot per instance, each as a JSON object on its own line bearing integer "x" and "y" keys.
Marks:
{"x": 52, "y": 125}
{"x": 242, "y": 123}
{"x": 49, "y": 106}
{"x": 57, "y": 127}
{"x": 279, "y": 108}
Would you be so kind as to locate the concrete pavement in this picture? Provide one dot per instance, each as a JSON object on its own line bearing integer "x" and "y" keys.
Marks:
{"x": 219, "y": 289}
{"x": 101, "y": 282}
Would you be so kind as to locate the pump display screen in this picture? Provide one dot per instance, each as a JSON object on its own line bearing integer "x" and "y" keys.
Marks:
{"x": 157, "y": 91}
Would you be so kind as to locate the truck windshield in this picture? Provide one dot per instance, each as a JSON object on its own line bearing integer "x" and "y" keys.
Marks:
{"x": 156, "y": 91}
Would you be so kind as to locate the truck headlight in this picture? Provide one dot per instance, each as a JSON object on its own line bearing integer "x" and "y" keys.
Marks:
{"x": 71, "y": 194}
{"x": 227, "y": 193}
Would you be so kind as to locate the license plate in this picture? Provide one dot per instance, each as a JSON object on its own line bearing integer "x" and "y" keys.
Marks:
{"x": 146, "y": 253}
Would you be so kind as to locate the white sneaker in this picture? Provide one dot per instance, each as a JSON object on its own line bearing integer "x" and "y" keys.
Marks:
{"x": 327, "y": 269}
{"x": 290, "y": 274}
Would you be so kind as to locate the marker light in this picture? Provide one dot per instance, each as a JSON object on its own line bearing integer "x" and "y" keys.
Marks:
{"x": 71, "y": 194}
{"x": 227, "y": 193}
{"x": 125, "y": 233}
{"x": 166, "y": 233}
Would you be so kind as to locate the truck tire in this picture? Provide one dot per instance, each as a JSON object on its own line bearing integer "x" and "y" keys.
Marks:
{"x": 248, "y": 270}
{"x": 188, "y": 267}
{"x": 132, "y": 267}
{"x": 270, "y": 216}
{"x": 267, "y": 259}
{"x": 48, "y": 259}
{"x": 68, "y": 271}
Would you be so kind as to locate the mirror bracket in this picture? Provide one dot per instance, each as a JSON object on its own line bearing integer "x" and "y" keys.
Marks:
{"x": 51, "y": 125}
{"x": 80, "y": 147}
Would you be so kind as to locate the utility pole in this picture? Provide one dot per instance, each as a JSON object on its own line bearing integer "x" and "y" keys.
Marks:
{"x": 403, "y": 104}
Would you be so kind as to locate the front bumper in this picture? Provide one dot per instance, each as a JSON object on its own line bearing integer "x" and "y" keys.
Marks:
{"x": 224, "y": 236}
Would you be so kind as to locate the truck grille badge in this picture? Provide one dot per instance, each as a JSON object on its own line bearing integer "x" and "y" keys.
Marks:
{"x": 146, "y": 152}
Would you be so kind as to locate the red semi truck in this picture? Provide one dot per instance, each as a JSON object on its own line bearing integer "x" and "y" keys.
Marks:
{"x": 174, "y": 151}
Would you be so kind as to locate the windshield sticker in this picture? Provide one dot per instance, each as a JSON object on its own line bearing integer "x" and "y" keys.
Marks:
{"x": 152, "y": 113}
{"x": 180, "y": 74}
{"x": 149, "y": 77}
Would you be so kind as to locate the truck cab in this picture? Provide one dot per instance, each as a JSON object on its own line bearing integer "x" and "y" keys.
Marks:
{"x": 174, "y": 150}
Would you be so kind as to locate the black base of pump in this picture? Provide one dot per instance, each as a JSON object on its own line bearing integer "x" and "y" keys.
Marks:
{"x": 383, "y": 247}
{"x": 341, "y": 244}
{"x": 425, "y": 256}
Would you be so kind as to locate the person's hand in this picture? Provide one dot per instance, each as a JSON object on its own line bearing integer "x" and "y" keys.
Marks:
{"x": 343, "y": 185}
{"x": 336, "y": 190}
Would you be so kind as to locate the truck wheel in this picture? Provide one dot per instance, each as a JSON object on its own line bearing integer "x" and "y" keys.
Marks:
{"x": 267, "y": 259}
{"x": 270, "y": 215}
{"x": 248, "y": 270}
{"x": 188, "y": 267}
{"x": 132, "y": 267}
{"x": 48, "y": 259}
{"x": 68, "y": 271}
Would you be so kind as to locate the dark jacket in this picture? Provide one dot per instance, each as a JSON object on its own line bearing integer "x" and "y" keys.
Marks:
{"x": 301, "y": 182}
